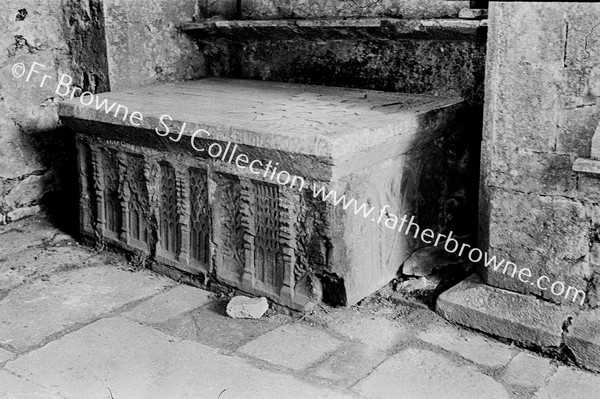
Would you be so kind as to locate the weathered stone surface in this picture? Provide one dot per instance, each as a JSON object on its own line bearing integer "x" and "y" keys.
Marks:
{"x": 425, "y": 260}
{"x": 326, "y": 30}
{"x": 575, "y": 135}
{"x": 17, "y": 268}
{"x": 13, "y": 387}
{"x": 350, "y": 363}
{"x": 27, "y": 191}
{"x": 549, "y": 235}
{"x": 21, "y": 213}
{"x": 242, "y": 307}
{"x": 526, "y": 370}
{"x": 421, "y": 374}
{"x": 5, "y": 355}
{"x": 173, "y": 303}
{"x": 412, "y": 285}
{"x": 568, "y": 383}
{"x": 265, "y": 9}
{"x": 473, "y": 13}
{"x": 473, "y": 347}
{"x": 210, "y": 326}
{"x": 540, "y": 114}
{"x": 374, "y": 331}
{"x": 295, "y": 346}
{"x": 137, "y": 362}
{"x": 503, "y": 313}
{"x": 530, "y": 171}
{"x": 25, "y": 234}
{"x": 151, "y": 49}
{"x": 583, "y": 339}
{"x": 33, "y": 312}
{"x": 61, "y": 38}
{"x": 449, "y": 68}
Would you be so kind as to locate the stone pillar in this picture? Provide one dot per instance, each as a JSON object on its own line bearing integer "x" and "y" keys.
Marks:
{"x": 536, "y": 214}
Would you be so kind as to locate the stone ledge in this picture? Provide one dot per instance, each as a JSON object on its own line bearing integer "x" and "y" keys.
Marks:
{"x": 338, "y": 29}
{"x": 505, "y": 314}
{"x": 583, "y": 338}
{"x": 586, "y": 165}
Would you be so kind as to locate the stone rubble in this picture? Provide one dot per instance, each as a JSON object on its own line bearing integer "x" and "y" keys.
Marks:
{"x": 242, "y": 307}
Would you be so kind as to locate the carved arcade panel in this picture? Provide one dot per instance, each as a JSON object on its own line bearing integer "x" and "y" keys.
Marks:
{"x": 199, "y": 218}
{"x": 112, "y": 203}
{"x": 268, "y": 267}
{"x": 241, "y": 231}
{"x": 169, "y": 236}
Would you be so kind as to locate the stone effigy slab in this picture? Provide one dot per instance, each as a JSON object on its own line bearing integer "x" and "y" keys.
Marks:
{"x": 220, "y": 178}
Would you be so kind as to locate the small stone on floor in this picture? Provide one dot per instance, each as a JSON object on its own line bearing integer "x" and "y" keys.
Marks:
{"x": 242, "y": 307}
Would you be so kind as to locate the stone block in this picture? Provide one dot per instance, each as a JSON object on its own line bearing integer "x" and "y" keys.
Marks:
{"x": 422, "y": 374}
{"x": 522, "y": 45}
{"x": 242, "y": 307}
{"x": 505, "y": 314}
{"x": 470, "y": 346}
{"x": 575, "y": 130}
{"x": 175, "y": 302}
{"x": 21, "y": 213}
{"x": 445, "y": 68}
{"x": 425, "y": 260}
{"x": 530, "y": 172}
{"x": 549, "y": 235}
{"x": 31, "y": 189}
{"x": 527, "y": 371}
{"x": 473, "y": 13}
{"x": 295, "y": 346}
{"x": 583, "y": 339}
{"x": 569, "y": 383}
{"x": 151, "y": 49}
{"x": 266, "y": 230}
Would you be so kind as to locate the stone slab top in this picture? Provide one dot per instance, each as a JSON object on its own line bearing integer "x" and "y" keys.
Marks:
{"x": 321, "y": 121}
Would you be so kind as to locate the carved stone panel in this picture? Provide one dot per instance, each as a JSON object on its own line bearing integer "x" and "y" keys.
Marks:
{"x": 199, "y": 218}
{"x": 268, "y": 265}
{"x": 139, "y": 208}
{"x": 112, "y": 204}
{"x": 87, "y": 208}
{"x": 228, "y": 228}
{"x": 168, "y": 225}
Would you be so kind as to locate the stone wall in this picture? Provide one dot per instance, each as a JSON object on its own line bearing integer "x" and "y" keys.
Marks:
{"x": 453, "y": 66}
{"x": 34, "y": 154}
{"x": 540, "y": 114}
{"x": 102, "y": 45}
{"x": 144, "y": 44}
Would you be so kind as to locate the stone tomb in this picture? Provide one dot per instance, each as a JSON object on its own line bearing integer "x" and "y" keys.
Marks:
{"x": 162, "y": 176}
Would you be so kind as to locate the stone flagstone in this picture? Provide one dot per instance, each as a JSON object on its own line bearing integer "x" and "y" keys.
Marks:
{"x": 33, "y": 312}
{"x": 13, "y": 387}
{"x": 165, "y": 306}
{"x": 526, "y": 370}
{"x": 568, "y": 383}
{"x": 468, "y": 345}
{"x": 137, "y": 362}
{"x": 295, "y": 346}
{"x": 422, "y": 374}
